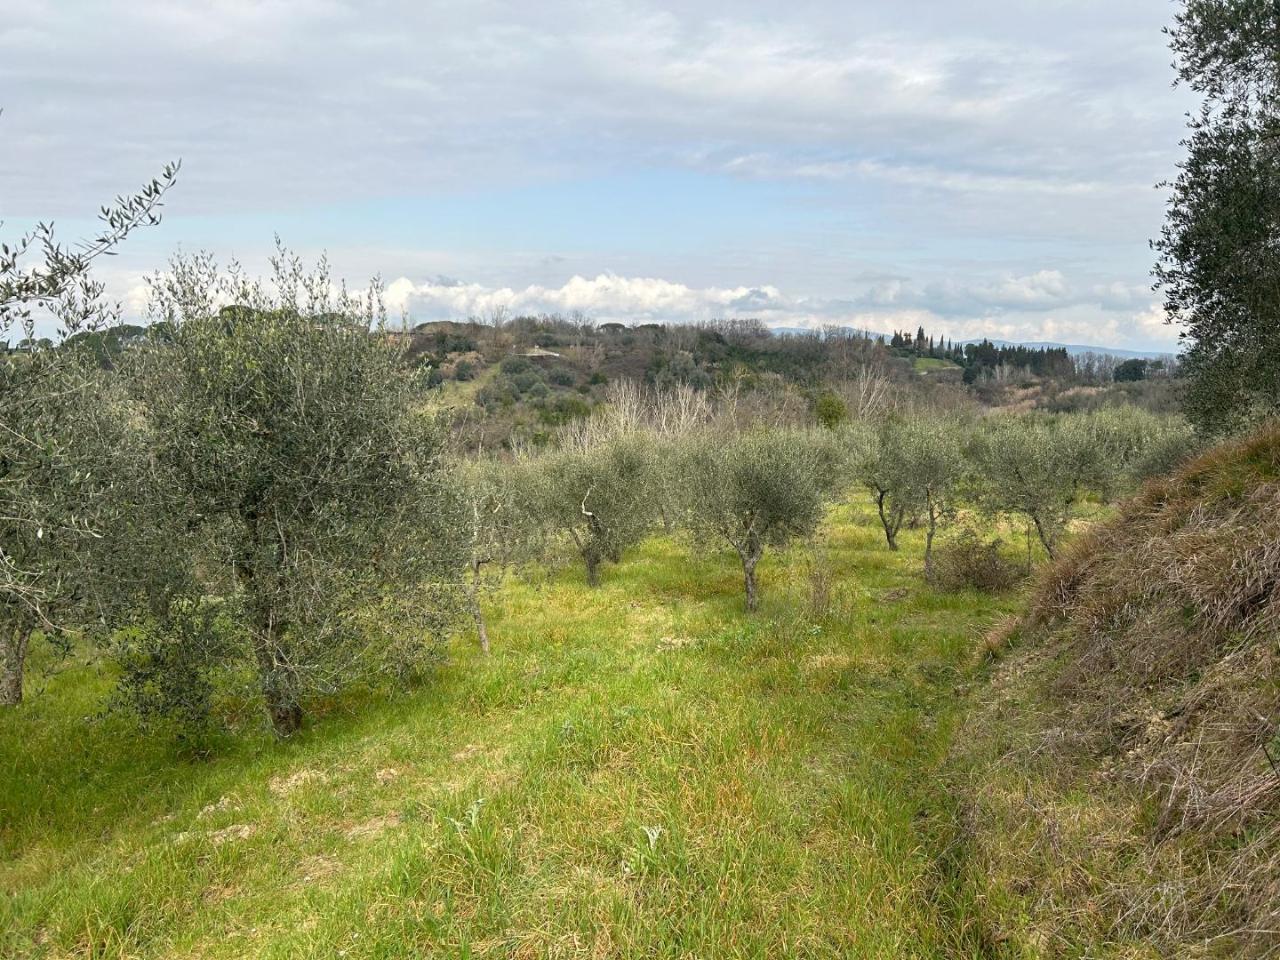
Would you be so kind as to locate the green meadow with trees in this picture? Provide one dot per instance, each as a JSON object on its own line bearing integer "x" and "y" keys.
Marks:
{"x": 326, "y": 634}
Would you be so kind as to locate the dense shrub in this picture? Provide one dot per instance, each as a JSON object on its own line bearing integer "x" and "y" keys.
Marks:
{"x": 511, "y": 366}
{"x": 830, "y": 410}
{"x": 562, "y": 377}
{"x": 172, "y": 668}
{"x": 970, "y": 563}
{"x": 563, "y": 408}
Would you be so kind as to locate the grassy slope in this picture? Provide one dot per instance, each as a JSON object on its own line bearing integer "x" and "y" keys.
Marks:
{"x": 456, "y": 394}
{"x": 640, "y": 771}
{"x": 1122, "y": 802}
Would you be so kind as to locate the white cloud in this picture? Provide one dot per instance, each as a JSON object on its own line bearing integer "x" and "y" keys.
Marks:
{"x": 1041, "y": 290}
{"x": 606, "y": 297}
{"x": 997, "y": 152}
{"x": 1035, "y": 307}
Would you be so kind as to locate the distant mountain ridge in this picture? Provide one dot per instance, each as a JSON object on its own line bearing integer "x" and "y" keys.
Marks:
{"x": 1074, "y": 349}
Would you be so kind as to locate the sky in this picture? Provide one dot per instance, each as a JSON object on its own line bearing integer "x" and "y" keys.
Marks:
{"x": 981, "y": 169}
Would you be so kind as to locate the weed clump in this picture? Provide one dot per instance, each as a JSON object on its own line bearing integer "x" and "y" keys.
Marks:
{"x": 971, "y": 563}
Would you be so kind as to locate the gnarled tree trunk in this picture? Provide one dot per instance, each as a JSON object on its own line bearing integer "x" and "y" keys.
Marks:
{"x": 750, "y": 553}
{"x": 275, "y": 675}
{"x": 890, "y": 519}
{"x": 1050, "y": 543}
{"x": 13, "y": 659}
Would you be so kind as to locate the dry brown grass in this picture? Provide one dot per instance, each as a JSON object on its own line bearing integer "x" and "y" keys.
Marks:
{"x": 1122, "y": 796}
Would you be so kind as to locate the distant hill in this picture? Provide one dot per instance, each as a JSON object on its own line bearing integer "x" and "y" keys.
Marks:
{"x": 1074, "y": 349}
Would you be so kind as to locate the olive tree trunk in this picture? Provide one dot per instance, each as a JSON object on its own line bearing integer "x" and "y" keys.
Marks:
{"x": 275, "y": 675}
{"x": 750, "y": 553}
{"x": 13, "y": 659}
{"x": 591, "y": 557}
{"x": 592, "y": 562}
{"x": 930, "y": 531}
{"x": 1050, "y": 543}
{"x": 477, "y": 614}
{"x": 890, "y": 519}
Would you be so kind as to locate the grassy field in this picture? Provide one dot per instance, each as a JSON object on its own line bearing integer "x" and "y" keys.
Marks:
{"x": 638, "y": 771}
{"x": 932, "y": 364}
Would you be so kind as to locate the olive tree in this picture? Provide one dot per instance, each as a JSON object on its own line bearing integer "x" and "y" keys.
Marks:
{"x": 498, "y": 532}
{"x": 64, "y": 443}
{"x": 1126, "y": 444}
{"x": 1217, "y": 266}
{"x": 755, "y": 490}
{"x": 599, "y": 495}
{"x": 293, "y": 435}
{"x": 64, "y": 439}
{"x": 875, "y": 453}
{"x": 933, "y": 452}
{"x": 1035, "y": 466}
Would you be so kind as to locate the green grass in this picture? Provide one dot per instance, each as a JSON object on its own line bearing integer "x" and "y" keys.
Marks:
{"x": 930, "y": 364}
{"x": 460, "y": 394}
{"x": 641, "y": 770}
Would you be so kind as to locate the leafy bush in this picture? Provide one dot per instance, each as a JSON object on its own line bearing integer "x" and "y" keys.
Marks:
{"x": 464, "y": 370}
{"x": 562, "y": 377}
{"x": 511, "y": 366}
{"x": 522, "y": 383}
{"x": 830, "y": 411}
{"x": 563, "y": 408}
{"x": 171, "y": 669}
{"x": 498, "y": 394}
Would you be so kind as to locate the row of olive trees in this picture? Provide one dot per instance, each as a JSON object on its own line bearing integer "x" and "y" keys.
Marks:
{"x": 1035, "y": 466}
{"x": 743, "y": 490}
{"x": 612, "y": 480}
{"x": 259, "y": 492}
